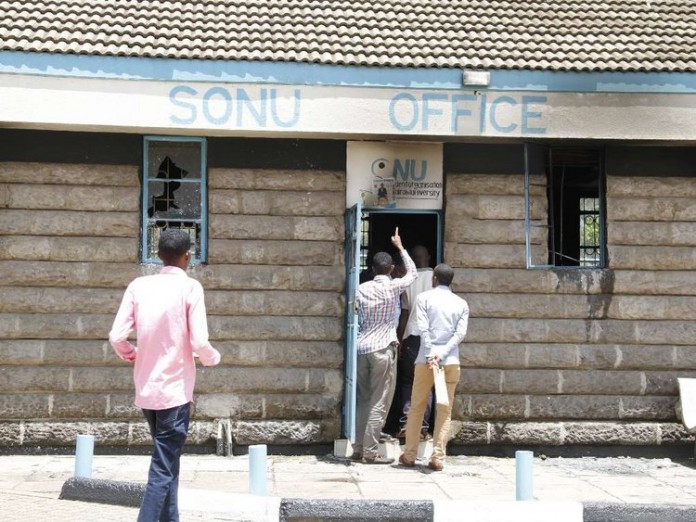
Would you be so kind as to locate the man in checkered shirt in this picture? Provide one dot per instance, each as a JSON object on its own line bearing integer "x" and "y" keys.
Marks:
{"x": 377, "y": 303}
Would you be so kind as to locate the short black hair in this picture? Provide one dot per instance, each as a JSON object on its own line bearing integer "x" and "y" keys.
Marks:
{"x": 382, "y": 263}
{"x": 173, "y": 243}
{"x": 444, "y": 274}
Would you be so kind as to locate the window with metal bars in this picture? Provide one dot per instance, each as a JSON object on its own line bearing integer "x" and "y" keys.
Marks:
{"x": 574, "y": 210}
{"x": 174, "y": 193}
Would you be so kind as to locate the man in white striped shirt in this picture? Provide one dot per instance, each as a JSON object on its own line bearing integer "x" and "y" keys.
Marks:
{"x": 442, "y": 319}
{"x": 377, "y": 302}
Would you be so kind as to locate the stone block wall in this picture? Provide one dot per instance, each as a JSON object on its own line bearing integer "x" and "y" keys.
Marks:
{"x": 69, "y": 239}
{"x": 568, "y": 356}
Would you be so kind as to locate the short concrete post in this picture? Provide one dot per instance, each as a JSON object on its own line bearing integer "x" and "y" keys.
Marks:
{"x": 524, "y": 461}
{"x": 258, "y": 468}
{"x": 84, "y": 450}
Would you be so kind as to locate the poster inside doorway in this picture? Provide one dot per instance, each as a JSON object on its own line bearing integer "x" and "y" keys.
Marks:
{"x": 394, "y": 175}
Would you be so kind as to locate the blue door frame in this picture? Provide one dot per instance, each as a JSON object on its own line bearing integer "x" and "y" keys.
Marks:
{"x": 353, "y": 222}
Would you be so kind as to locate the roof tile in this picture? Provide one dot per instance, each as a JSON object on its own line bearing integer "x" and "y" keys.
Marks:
{"x": 616, "y": 35}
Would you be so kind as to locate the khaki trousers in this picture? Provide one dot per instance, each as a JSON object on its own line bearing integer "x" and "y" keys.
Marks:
{"x": 376, "y": 384}
{"x": 422, "y": 384}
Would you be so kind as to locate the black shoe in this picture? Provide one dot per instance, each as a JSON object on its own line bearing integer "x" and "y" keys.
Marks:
{"x": 357, "y": 455}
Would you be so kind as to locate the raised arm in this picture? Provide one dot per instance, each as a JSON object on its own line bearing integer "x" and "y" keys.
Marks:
{"x": 411, "y": 272}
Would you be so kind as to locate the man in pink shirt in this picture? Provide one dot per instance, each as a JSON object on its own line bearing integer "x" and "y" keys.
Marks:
{"x": 168, "y": 312}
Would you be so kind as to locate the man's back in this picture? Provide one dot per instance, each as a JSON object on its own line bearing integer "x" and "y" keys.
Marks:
{"x": 377, "y": 302}
{"x": 442, "y": 318}
{"x": 423, "y": 283}
{"x": 168, "y": 312}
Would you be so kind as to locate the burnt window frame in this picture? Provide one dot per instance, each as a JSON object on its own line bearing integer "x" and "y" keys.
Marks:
{"x": 197, "y": 258}
{"x": 534, "y": 169}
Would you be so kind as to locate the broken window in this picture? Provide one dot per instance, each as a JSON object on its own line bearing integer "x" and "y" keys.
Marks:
{"x": 174, "y": 193}
{"x": 567, "y": 229}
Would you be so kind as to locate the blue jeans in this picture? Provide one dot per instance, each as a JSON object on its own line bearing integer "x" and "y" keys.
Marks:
{"x": 168, "y": 429}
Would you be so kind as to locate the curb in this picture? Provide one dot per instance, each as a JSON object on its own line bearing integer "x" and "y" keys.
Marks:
{"x": 252, "y": 507}
{"x": 118, "y": 493}
{"x": 306, "y": 510}
{"x": 611, "y": 512}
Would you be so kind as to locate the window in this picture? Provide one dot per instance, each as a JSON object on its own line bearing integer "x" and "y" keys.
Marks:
{"x": 174, "y": 193}
{"x": 571, "y": 182}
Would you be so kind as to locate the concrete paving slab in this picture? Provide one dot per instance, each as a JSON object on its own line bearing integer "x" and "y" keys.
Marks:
{"x": 461, "y": 492}
{"x": 234, "y": 506}
{"x": 577, "y": 493}
{"x": 616, "y": 481}
{"x": 507, "y": 511}
{"x": 312, "y": 490}
{"x": 404, "y": 490}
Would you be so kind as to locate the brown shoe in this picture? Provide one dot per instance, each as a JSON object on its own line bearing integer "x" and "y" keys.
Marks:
{"x": 436, "y": 465}
{"x": 357, "y": 455}
{"x": 378, "y": 459}
{"x": 406, "y": 461}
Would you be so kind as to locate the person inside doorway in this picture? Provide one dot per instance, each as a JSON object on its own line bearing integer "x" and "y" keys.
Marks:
{"x": 377, "y": 301}
{"x": 410, "y": 340}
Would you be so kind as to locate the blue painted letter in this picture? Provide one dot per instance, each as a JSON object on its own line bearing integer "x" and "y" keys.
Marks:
{"x": 482, "y": 115}
{"x": 457, "y": 112}
{"x": 296, "y": 110}
{"x": 183, "y": 89}
{"x": 414, "y": 110}
{"x": 527, "y": 114}
{"x": 225, "y": 95}
{"x": 427, "y": 111}
{"x": 244, "y": 100}
{"x": 494, "y": 120}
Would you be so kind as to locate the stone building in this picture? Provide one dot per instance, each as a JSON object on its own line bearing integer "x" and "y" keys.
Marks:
{"x": 547, "y": 152}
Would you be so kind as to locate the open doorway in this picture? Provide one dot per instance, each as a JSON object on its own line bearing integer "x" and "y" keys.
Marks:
{"x": 415, "y": 228}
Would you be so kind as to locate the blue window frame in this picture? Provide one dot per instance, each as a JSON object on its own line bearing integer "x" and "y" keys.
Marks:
{"x": 174, "y": 193}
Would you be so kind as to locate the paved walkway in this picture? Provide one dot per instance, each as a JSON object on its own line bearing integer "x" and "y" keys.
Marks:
{"x": 29, "y": 485}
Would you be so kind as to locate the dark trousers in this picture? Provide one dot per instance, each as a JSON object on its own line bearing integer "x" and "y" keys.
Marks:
{"x": 168, "y": 429}
{"x": 406, "y": 364}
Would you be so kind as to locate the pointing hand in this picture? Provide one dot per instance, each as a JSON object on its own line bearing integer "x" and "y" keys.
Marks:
{"x": 396, "y": 240}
